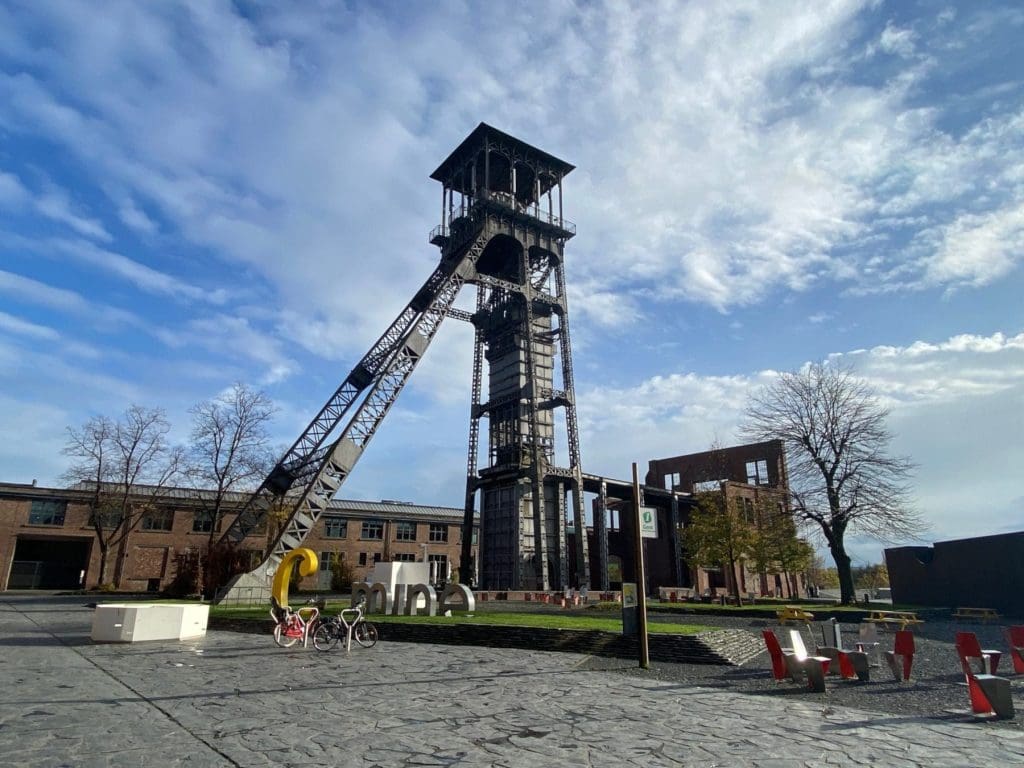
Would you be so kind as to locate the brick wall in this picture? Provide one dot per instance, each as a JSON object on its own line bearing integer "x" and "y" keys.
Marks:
{"x": 151, "y": 554}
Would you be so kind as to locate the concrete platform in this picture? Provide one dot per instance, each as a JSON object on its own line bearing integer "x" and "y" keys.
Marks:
{"x": 140, "y": 622}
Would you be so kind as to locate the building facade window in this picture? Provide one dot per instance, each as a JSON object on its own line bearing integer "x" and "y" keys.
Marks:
{"x": 671, "y": 480}
{"x": 757, "y": 472}
{"x": 158, "y": 520}
{"x": 748, "y": 511}
{"x": 327, "y": 560}
{"x": 372, "y": 529}
{"x": 107, "y": 518}
{"x": 376, "y": 557}
{"x": 335, "y": 528}
{"x": 438, "y": 532}
{"x": 362, "y": 558}
{"x": 442, "y": 565}
{"x": 404, "y": 557}
{"x": 405, "y": 531}
{"x": 202, "y": 522}
{"x": 45, "y": 512}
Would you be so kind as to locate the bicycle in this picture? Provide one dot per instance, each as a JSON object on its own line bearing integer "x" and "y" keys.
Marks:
{"x": 291, "y": 626}
{"x": 330, "y": 631}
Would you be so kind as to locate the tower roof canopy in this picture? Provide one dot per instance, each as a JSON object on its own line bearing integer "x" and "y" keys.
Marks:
{"x": 476, "y": 141}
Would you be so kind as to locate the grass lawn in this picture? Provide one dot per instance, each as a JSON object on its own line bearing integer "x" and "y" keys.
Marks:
{"x": 579, "y": 621}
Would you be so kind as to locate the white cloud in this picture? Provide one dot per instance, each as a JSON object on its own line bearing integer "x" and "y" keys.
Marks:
{"x": 12, "y": 191}
{"x": 233, "y": 337}
{"x": 21, "y": 327}
{"x": 977, "y": 249}
{"x": 143, "y": 277}
{"x": 34, "y": 292}
{"x": 136, "y": 218}
{"x": 54, "y": 203}
{"x": 898, "y": 41}
{"x": 955, "y": 407}
{"x": 712, "y": 177}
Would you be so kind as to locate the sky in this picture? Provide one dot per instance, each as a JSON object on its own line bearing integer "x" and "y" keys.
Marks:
{"x": 194, "y": 194}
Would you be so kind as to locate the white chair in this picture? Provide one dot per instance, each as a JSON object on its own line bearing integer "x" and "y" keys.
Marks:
{"x": 867, "y": 641}
{"x": 813, "y": 667}
{"x": 846, "y": 662}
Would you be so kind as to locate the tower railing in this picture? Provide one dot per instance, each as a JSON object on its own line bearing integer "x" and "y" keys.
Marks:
{"x": 463, "y": 215}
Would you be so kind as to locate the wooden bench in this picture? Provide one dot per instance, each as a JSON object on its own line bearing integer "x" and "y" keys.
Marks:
{"x": 794, "y": 613}
{"x": 976, "y": 614}
{"x": 901, "y": 619}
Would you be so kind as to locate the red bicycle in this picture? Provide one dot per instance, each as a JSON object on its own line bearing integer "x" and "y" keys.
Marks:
{"x": 291, "y": 626}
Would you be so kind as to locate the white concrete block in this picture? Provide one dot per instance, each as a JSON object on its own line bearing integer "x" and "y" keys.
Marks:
{"x": 138, "y": 622}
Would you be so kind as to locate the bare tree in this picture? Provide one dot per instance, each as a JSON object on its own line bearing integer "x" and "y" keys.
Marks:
{"x": 228, "y": 449}
{"x": 228, "y": 453}
{"x": 127, "y": 466}
{"x": 841, "y": 475}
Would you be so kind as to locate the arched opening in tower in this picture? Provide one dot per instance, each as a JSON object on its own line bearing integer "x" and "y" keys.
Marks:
{"x": 502, "y": 258}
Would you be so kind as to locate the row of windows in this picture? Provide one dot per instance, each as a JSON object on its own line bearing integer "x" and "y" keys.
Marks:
{"x": 54, "y": 513}
{"x": 757, "y": 474}
{"x": 327, "y": 559}
{"x": 45, "y": 512}
{"x": 373, "y": 530}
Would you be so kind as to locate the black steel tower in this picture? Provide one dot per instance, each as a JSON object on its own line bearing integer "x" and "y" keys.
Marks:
{"x": 511, "y": 193}
{"x": 501, "y": 229}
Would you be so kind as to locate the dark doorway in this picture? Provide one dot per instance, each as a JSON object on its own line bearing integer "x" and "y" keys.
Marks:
{"x": 49, "y": 563}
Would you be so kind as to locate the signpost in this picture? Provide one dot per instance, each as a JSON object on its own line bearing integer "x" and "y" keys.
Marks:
{"x": 641, "y": 581}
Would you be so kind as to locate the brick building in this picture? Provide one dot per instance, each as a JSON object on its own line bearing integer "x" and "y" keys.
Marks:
{"x": 750, "y": 477}
{"x": 47, "y": 541}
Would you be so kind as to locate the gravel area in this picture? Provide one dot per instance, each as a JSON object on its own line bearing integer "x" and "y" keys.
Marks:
{"x": 936, "y": 689}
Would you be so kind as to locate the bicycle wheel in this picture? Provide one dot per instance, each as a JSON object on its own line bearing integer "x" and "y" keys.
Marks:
{"x": 326, "y": 636}
{"x": 282, "y": 639}
{"x": 365, "y": 634}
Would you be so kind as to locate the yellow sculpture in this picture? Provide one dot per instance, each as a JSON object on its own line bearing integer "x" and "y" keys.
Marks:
{"x": 308, "y": 565}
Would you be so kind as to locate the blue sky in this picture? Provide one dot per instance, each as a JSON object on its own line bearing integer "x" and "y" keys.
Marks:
{"x": 193, "y": 194}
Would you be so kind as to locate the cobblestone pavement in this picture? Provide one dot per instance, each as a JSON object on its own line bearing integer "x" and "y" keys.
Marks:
{"x": 238, "y": 700}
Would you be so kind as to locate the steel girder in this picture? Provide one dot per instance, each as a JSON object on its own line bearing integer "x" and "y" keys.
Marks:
{"x": 310, "y": 474}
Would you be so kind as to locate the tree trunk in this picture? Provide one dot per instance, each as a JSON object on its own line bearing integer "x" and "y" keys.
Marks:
{"x": 847, "y": 593}
{"x": 104, "y": 560}
{"x": 120, "y": 559}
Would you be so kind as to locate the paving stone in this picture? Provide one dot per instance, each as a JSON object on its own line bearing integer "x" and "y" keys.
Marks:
{"x": 238, "y": 700}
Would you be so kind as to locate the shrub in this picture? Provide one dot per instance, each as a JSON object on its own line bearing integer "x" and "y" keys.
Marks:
{"x": 341, "y": 576}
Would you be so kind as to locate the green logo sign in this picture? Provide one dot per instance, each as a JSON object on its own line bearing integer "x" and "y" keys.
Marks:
{"x": 648, "y": 522}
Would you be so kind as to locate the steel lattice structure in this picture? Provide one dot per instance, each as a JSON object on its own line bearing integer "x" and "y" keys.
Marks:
{"x": 496, "y": 234}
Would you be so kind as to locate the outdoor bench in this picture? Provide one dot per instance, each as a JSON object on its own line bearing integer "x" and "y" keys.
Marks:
{"x": 901, "y": 619}
{"x": 979, "y": 614}
{"x": 794, "y": 613}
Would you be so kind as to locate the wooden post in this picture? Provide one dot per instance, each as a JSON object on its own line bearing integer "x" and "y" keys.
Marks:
{"x": 641, "y": 580}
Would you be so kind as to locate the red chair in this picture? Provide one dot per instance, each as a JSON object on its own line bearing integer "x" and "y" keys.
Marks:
{"x": 780, "y": 670}
{"x": 967, "y": 647}
{"x": 1015, "y": 639}
{"x": 903, "y": 646}
{"x": 990, "y": 694}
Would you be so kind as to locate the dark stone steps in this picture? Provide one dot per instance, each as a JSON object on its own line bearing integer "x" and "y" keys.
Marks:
{"x": 721, "y": 647}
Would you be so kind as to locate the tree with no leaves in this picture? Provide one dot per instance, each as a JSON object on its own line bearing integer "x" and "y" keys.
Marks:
{"x": 228, "y": 452}
{"x": 841, "y": 475}
{"x": 228, "y": 447}
{"x": 127, "y": 466}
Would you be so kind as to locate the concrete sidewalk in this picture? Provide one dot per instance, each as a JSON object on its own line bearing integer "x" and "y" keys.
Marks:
{"x": 238, "y": 700}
